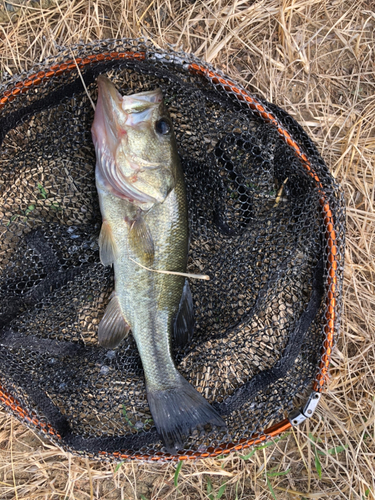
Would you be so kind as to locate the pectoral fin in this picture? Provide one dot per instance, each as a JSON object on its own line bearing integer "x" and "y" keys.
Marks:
{"x": 183, "y": 327}
{"x": 141, "y": 241}
{"x": 107, "y": 245}
{"x": 113, "y": 326}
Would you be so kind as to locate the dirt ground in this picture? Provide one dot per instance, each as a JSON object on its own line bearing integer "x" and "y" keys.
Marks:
{"x": 316, "y": 60}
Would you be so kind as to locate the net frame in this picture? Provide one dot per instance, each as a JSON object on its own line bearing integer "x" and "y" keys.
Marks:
{"x": 72, "y": 61}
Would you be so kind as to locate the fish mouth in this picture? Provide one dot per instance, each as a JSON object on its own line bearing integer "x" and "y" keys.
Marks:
{"x": 108, "y": 106}
{"x": 113, "y": 114}
{"x": 114, "y": 111}
{"x": 139, "y": 108}
{"x": 140, "y": 102}
{"x": 129, "y": 110}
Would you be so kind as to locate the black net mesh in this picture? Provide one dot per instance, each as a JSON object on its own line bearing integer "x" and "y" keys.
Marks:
{"x": 266, "y": 224}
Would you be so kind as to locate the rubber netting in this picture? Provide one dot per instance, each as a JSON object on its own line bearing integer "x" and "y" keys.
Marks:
{"x": 266, "y": 224}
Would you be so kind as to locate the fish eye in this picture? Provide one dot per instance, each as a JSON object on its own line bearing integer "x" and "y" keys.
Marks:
{"x": 163, "y": 126}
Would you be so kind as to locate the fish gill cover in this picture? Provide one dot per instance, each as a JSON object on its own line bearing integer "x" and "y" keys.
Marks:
{"x": 266, "y": 222}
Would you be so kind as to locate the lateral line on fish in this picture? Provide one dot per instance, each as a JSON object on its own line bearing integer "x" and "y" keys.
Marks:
{"x": 187, "y": 275}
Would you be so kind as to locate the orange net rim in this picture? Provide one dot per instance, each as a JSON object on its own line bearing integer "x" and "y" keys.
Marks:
{"x": 217, "y": 78}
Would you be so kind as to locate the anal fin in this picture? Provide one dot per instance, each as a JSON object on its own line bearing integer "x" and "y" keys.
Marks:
{"x": 141, "y": 241}
{"x": 113, "y": 326}
{"x": 183, "y": 326}
{"x": 107, "y": 245}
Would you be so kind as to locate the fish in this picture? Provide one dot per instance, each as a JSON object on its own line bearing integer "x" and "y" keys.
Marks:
{"x": 142, "y": 198}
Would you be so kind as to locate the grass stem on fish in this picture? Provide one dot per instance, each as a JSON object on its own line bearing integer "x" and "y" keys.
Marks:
{"x": 187, "y": 275}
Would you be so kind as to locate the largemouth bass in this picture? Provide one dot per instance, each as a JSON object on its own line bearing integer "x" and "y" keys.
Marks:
{"x": 143, "y": 205}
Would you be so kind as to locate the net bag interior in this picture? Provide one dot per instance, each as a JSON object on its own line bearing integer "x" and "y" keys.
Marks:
{"x": 267, "y": 224}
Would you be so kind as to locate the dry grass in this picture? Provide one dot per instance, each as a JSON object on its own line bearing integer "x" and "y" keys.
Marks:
{"x": 316, "y": 59}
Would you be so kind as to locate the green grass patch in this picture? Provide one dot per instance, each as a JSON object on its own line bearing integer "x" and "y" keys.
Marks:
{"x": 176, "y": 474}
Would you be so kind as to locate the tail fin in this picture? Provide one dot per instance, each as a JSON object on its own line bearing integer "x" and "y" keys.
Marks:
{"x": 178, "y": 411}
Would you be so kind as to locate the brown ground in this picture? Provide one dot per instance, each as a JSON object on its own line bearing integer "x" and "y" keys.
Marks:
{"x": 315, "y": 59}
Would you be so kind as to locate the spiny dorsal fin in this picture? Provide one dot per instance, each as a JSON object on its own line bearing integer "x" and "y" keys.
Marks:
{"x": 140, "y": 240}
{"x": 113, "y": 326}
{"x": 183, "y": 326}
{"x": 107, "y": 245}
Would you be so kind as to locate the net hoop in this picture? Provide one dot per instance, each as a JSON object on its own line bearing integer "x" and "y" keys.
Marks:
{"x": 35, "y": 79}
